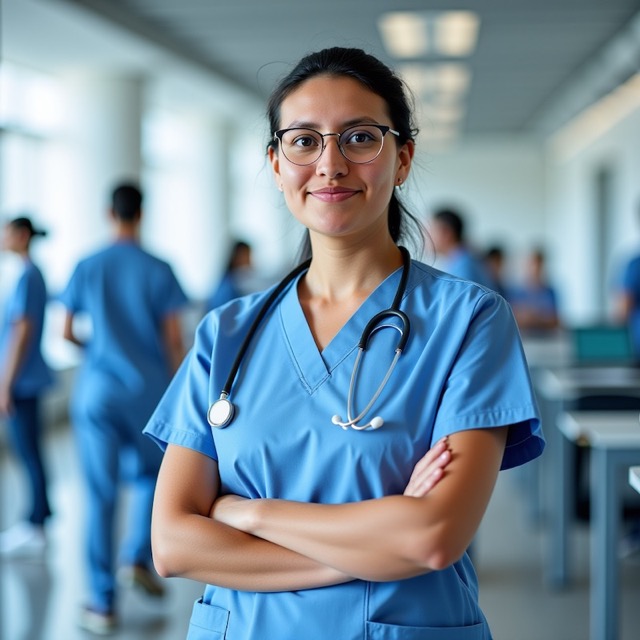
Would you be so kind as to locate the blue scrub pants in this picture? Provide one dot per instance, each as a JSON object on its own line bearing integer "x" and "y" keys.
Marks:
{"x": 108, "y": 430}
{"x": 25, "y": 430}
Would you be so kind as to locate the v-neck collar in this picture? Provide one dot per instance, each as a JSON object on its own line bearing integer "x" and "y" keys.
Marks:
{"x": 315, "y": 366}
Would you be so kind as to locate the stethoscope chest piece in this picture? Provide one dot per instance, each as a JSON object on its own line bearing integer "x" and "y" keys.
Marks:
{"x": 220, "y": 413}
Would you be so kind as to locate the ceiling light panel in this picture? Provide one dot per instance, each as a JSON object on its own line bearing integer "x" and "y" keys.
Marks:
{"x": 408, "y": 34}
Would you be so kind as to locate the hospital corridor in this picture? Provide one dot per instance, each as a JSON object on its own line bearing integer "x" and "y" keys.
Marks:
{"x": 286, "y": 286}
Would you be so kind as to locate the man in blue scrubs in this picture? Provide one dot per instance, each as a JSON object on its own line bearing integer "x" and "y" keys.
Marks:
{"x": 133, "y": 301}
{"x": 455, "y": 256}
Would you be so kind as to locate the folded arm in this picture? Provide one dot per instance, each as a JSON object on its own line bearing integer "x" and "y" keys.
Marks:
{"x": 188, "y": 542}
{"x": 390, "y": 538}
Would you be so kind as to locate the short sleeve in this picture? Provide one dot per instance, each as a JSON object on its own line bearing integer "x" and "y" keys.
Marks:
{"x": 171, "y": 295}
{"x": 489, "y": 384}
{"x": 181, "y": 416}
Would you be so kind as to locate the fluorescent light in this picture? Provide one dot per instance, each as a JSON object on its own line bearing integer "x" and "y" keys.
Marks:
{"x": 452, "y": 78}
{"x": 404, "y": 34}
{"x": 409, "y": 34}
{"x": 442, "y": 113}
{"x": 595, "y": 121}
{"x": 456, "y": 33}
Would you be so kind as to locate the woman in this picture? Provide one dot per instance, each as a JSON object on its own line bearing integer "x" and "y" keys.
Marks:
{"x": 303, "y": 529}
{"x": 24, "y": 376}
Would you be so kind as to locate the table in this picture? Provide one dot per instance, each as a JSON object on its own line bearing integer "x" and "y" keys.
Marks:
{"x": 557, "y": 388}
{"x": 614, "y": 437}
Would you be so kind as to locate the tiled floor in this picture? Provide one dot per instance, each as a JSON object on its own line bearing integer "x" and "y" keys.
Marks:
{"x": 39, "y": 599}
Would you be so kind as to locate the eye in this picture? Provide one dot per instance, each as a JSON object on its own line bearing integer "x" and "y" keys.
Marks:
{"x": 305, "y": 139}
{"x": 361, "y": 136}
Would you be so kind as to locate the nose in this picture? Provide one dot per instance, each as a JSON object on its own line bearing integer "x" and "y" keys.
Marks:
{"x": 331, "y": 163}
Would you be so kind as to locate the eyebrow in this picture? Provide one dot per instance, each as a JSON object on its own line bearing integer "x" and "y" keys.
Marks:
{"x": 306, "y": 124}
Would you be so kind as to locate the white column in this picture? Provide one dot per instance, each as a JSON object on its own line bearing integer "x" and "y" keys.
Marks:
{"x": 102, "y": 146}
{"x": 187, "y": 216}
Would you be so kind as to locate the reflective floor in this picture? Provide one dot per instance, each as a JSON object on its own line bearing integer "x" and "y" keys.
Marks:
{"x": 39, "y": 599}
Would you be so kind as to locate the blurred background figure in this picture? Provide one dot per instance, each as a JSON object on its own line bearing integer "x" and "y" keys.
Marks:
{"x": 24, "y": 376}
{"x": 534, "y": 301}
{"x": 454, "y": 255}
{"x": 133, "y": 301}
{"x": 494, "y": 262}
{"x": 627, "y": 298}
{"x": 238, "y": 277}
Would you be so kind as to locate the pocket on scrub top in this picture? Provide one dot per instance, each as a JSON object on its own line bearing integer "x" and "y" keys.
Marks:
{"x": 208, "y": 622}
{"x": 380, "y": 631}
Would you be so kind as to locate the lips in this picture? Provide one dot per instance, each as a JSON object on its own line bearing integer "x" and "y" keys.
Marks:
{"x": 333, "y": 194}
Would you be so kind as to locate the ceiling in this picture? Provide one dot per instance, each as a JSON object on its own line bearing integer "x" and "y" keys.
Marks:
{"x": 529, "y": 54}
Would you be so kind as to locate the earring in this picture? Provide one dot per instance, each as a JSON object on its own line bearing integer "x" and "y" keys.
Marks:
{"x": 399, "y": 181}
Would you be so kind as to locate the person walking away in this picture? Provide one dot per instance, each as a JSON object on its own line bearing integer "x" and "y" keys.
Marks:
{"x": 133, "y": 300}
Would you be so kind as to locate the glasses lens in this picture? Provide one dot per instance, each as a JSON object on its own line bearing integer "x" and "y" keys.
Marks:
{"x": 301, "y": 146}
{"x": 361, "y": 143}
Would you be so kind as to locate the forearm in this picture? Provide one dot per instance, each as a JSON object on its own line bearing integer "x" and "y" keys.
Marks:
{"x": 197, "y": 547}
{"x": 21, "y": 332}
{"x": 380, "y": 540}
{"x": 188, "y": 542}
{"x": 389, "y": 538}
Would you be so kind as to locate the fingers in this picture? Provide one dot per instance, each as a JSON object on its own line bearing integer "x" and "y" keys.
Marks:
{"x": 429, "y": 470}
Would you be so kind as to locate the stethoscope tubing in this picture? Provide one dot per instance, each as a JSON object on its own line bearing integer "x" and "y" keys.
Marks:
{"x": 221, "y": 412}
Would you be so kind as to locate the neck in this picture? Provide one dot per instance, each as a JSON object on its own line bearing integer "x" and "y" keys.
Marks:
{"x": 345, "y": 273}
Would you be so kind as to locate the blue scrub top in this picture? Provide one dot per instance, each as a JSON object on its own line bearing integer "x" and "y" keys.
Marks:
{"x": 463, "y": 264}
{"x": 631, "y": 285}
{"x": 463, "y": 368}
{"x": 28, "y": 300}
{"x": 127, "y": 293}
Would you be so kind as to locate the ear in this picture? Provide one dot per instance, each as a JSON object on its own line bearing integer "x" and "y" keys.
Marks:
{"x": 274, "y": 158}
{"x": 405, "y": 157}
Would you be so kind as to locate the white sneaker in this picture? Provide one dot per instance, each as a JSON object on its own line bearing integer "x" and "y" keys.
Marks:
{"x": 102, "y": 623}
{"x": 22, "y": 540}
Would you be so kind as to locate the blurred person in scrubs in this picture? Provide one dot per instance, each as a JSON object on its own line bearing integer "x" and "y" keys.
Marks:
{"x": 133, "y": 301}
{"x": 454, "y": 255}
{"x": 535, "y": 301}
{"x": 237, "y": 278}
{"x": 24, "y": 376}
{"x": 311, "y": 506}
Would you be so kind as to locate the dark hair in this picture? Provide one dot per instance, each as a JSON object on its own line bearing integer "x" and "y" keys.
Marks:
{"x": 453, "y": 220}
{"x": 126, "y": 202}
{"x": 24, "y": 222}
{"x": 238, "y": 246}
{"x": 378, "y": 78}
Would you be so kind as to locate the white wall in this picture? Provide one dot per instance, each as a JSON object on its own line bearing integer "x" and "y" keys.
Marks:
{"x": 573, "y": 159}
{"x": 498, "y": 183}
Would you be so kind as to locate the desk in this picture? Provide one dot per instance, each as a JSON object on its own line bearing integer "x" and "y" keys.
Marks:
{"x": 557, "y": 389}
{"x": 614, "y": 437}
{"x": 569, "y": 383}
{"x": 634, "y": 478}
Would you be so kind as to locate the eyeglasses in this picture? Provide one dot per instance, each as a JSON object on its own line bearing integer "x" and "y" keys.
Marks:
{"x": 360, "y": 144}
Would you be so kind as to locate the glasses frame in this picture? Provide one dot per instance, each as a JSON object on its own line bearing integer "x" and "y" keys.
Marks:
{"x": 384, "y": 129}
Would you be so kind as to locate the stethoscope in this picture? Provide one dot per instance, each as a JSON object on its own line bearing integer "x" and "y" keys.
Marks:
{"x": 222, "y": 411}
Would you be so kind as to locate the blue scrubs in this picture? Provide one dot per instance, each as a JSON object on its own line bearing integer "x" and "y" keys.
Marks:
{"x": 463, "y": 264}
{"x": 127, "y": 293}
{"x": 28, "y": 301}
{"x": 631, "y": 286}
{"x": 463, "y": 368}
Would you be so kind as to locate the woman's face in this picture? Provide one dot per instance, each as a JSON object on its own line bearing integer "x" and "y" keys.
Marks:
{"x": 334, "y": 197}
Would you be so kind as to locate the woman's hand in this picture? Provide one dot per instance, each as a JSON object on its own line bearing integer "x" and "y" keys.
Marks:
{"x": 429, "y": 470}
